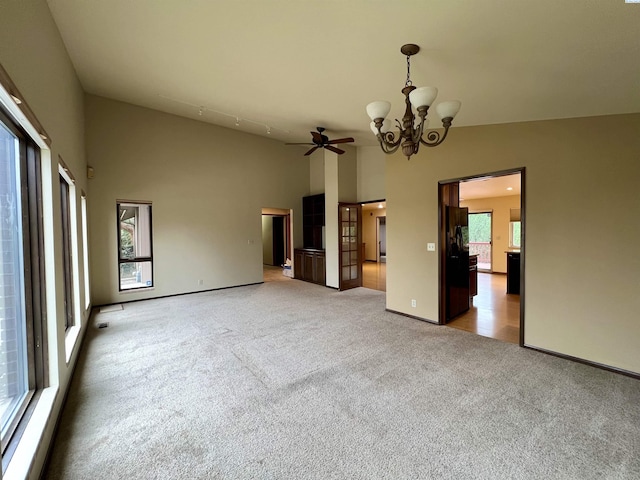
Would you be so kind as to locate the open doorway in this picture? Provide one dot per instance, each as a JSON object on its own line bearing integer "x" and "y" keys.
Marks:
{"x": 277, "y": 238}
{"x": 374, "y": 245}
{"x": 495, "y": 289}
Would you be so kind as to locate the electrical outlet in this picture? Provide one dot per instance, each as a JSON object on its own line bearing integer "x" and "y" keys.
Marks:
{"x": 413, "y": 303}
{"x": 200, "y": 282}
{"x": 431, "y": 247}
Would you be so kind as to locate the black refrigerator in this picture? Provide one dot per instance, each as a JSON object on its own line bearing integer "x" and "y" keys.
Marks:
{"x": 457, "y": 261}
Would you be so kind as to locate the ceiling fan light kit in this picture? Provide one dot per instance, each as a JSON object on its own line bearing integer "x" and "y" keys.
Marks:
{"x": 410, "y": 135}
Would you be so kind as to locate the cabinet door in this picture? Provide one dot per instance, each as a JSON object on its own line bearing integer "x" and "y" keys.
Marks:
{"x": 308, "y": 267}
{"x": 298, "y": 267}
{"x": 320, "y": 269}
{"x": 473, "y": 280}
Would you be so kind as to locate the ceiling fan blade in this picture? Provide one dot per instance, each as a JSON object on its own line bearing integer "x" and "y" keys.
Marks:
{"x": 341, "y": 140}
{"x": 311, "y": 151}
{"x": 305, "y": 143}
{"x": 317, "y": 137}
{"x": 334, "y": 149}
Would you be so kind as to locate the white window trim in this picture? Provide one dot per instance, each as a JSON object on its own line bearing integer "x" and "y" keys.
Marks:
{"x": 26, "y": 451}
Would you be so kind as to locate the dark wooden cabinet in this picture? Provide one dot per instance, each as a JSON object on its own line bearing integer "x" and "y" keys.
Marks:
{"x": 309, "y": 265}
{"x": 313, "y": 221}
{"x": 513, "y": 272}
{"x": 473, "y": 275}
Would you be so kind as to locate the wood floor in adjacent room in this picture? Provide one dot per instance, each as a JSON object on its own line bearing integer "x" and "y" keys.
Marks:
{"x": 492, "y": 313}
{"x": 374, "y": 275}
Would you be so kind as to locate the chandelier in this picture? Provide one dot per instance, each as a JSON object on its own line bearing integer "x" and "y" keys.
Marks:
{"x": 410, "y": 135}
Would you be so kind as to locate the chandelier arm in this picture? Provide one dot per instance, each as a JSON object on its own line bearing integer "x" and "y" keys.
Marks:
{"x": 389, "y": 139}
{"x": 388, "y": 144}
{"x": 434, "y": 138}
{"x": 419, "y": 130}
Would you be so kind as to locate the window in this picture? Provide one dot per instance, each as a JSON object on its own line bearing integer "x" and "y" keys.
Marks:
{"x": 67, "y": 262}
{"x": 515, "y": 234}
{"x": 85, "y": 250}
{"x": 135, "y": 256}
{"x": 22, "y": 328}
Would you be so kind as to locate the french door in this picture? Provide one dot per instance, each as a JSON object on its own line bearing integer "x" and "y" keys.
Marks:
{"x": 350, "y": 245}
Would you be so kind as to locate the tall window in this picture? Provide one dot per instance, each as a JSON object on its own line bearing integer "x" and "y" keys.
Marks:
{"x": 21, "y": 276}
{"x": 67, "y": 262}
{"x": 85, "y": 250}
{"x": 135, "y": 256}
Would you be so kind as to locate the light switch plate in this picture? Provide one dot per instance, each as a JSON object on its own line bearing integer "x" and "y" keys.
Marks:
{"x": 431, "y": 247}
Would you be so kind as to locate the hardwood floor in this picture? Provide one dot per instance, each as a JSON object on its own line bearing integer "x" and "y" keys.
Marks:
{"x": 493, "y": 313}
{"x": 374, "y": 276}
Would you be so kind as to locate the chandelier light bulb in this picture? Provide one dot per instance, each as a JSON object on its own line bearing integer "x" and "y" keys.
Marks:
{"x": 423, "y": 96}
{"x": 378, "y": 109}
{"x": 448, "y": 109}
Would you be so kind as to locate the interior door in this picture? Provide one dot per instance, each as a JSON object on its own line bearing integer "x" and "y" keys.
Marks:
{"x": 279, "y": 247}
{"x": 350, "y": 245}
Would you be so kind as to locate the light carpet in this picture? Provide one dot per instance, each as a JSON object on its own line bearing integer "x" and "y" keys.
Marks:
{"x": 290, "y": 380}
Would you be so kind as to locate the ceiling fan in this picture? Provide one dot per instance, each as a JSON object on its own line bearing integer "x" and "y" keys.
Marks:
{"x": 322, "y": 141}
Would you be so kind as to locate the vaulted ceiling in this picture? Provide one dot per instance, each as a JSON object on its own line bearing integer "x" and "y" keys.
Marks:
{"x": 290, "y": 65}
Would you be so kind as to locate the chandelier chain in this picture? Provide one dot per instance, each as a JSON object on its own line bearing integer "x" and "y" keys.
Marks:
{"x": 408, "y": 83}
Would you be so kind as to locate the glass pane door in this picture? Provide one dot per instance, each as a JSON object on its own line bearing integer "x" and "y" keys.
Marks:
{"x": 480, "y": 239}
{"x": 350, "y": 247}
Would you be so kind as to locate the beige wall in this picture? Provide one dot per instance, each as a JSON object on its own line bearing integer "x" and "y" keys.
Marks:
{"x": 582, "y": 211}
{"x": 34, "y": 56}
{"x": 207, "y": 184}
{"x": 348, "y": 175}
{"x": 316, "y": 171}
{"x": 371, "y": 173}
{"x": 267, "y": 239}
{"x": 340, "y": 176}
{"x": 500, "y": 208}
{"x": 369, "y": 232}
{"x": 332, "y": 180}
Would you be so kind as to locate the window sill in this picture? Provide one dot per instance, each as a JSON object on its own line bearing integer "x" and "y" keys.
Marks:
{"x": 70, "y": 338}
{"x": 137, "y": 290}
{"x": 22, "y": 460}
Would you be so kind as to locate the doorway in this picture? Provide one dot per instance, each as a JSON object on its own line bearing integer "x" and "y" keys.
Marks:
{"x": 495, "y": 310}
{"x": 374, "y": 271}
{"x": 381, "y": 235}
{"x": 276, "y": 240}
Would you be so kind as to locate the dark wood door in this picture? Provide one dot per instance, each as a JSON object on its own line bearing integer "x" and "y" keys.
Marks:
{"x": 350, "y": 245}
{"x": 279, "y": 245}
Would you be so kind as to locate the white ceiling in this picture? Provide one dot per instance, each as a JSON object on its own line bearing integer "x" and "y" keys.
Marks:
{"x": 374, "y": 205}
{"x": 293, "y": 65}
{"x": 489, "y": 187}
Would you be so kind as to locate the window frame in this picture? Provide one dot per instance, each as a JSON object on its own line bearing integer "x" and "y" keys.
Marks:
{"x": 135, "y": 259}
{"x": 512, "y": 234}
{"x": 85, "y": 249}
{"x": 33, "y": 282}
{"x": 66, "y": 212}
